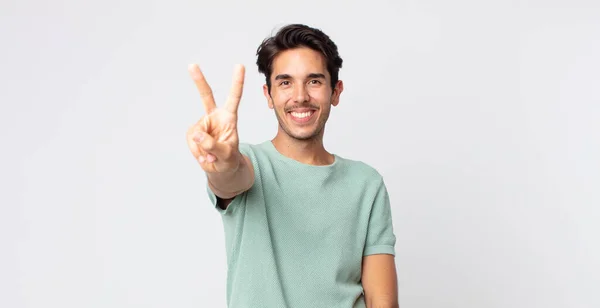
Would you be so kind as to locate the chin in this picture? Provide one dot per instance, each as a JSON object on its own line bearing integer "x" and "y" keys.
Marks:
{"x": 303, "y": 136}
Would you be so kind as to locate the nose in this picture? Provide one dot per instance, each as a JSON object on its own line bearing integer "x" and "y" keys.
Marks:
{"x": 300, "y": 94}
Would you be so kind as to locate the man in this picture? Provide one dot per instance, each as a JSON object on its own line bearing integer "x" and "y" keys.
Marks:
{"x": 303, "y": 227}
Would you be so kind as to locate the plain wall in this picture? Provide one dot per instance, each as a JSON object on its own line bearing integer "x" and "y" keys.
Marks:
{"x": 483, "y": 117}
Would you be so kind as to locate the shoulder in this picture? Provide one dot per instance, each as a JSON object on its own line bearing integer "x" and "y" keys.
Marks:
{"x": 246, "y": 145}
{"x": 256, "y": 152}
{"x": 249, "y": 148}
{"x": 252, "y": 148}
{"x": 361, "y": 169}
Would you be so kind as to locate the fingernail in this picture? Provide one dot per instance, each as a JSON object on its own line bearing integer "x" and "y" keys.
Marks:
{"x": 210, "y": 158}
{"x": 199, "y": 137}
{"x": 201, "y": 159}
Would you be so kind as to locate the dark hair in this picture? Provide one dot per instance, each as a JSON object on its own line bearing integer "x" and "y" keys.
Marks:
{"x": 294, "y": 36}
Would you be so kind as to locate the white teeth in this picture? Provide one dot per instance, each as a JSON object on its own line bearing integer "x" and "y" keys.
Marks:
{"x": 301, "y": 115}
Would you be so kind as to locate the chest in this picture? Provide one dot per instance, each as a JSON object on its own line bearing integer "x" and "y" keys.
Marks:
{"x": 324, "y": 212}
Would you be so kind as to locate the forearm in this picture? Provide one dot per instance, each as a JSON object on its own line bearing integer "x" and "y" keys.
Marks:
{"x": 380, "y": 281}
{"x": 230, "y": 184}
{"x": 382, "y": 303}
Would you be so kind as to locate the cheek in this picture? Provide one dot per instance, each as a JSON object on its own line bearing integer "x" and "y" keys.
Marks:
{"x": 279, "y": 99}
{"x": 320, "y": 93}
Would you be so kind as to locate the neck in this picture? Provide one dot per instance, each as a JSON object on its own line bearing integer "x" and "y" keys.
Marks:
{"x": 310, "y": 151}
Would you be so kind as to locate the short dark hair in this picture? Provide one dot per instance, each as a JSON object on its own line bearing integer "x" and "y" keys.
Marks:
{"x": 294, "y": 36}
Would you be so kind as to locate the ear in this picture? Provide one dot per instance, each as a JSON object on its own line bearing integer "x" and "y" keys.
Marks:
{"x": 268, "y": 96}
{"x": 337, "y": 91}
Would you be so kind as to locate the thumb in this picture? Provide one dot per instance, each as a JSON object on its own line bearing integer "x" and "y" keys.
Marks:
{"x": 209, "y": 145}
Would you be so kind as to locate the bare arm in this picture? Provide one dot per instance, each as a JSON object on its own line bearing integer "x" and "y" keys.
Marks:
{"x": 228, "y": 185}
{"x": 379, "y": 281}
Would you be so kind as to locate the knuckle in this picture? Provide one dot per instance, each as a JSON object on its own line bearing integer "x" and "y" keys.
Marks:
{"x": 208, "y": 144}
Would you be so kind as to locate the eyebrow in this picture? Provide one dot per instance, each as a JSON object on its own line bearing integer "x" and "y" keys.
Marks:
{"x": 311, "y": 75}
{"x": 316, "y": 75}
{"x": 283, "y": 76}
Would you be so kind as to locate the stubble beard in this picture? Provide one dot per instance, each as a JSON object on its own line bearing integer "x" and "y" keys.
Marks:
{"x": 315, "y": 134}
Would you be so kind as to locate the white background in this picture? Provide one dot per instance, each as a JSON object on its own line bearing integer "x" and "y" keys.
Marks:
{"x": 483, "y": 117}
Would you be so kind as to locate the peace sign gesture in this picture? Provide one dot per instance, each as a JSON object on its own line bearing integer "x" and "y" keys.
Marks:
{"x": 213, "y": 140}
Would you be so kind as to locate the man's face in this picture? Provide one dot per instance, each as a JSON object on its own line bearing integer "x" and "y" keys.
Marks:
{"x": 301, "y": 93}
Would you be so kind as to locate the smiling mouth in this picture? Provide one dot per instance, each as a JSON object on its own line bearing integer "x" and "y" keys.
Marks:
{"x": 301, "y": 116}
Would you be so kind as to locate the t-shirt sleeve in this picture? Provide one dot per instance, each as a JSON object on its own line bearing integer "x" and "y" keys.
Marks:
{"x": 380, "y": 231}
{"x": 245, "y": 150}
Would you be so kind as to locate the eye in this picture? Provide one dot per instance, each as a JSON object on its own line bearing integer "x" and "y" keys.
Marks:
{"x": 284, "y": 83}
{"x": 315, "y": 81}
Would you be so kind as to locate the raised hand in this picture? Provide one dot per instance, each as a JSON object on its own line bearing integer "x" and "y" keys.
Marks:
{"x": 213, "y": 140}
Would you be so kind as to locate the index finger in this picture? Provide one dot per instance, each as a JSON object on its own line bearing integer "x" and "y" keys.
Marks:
{"x": 237, "y": 87}
{"x": 203, "y": 87}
